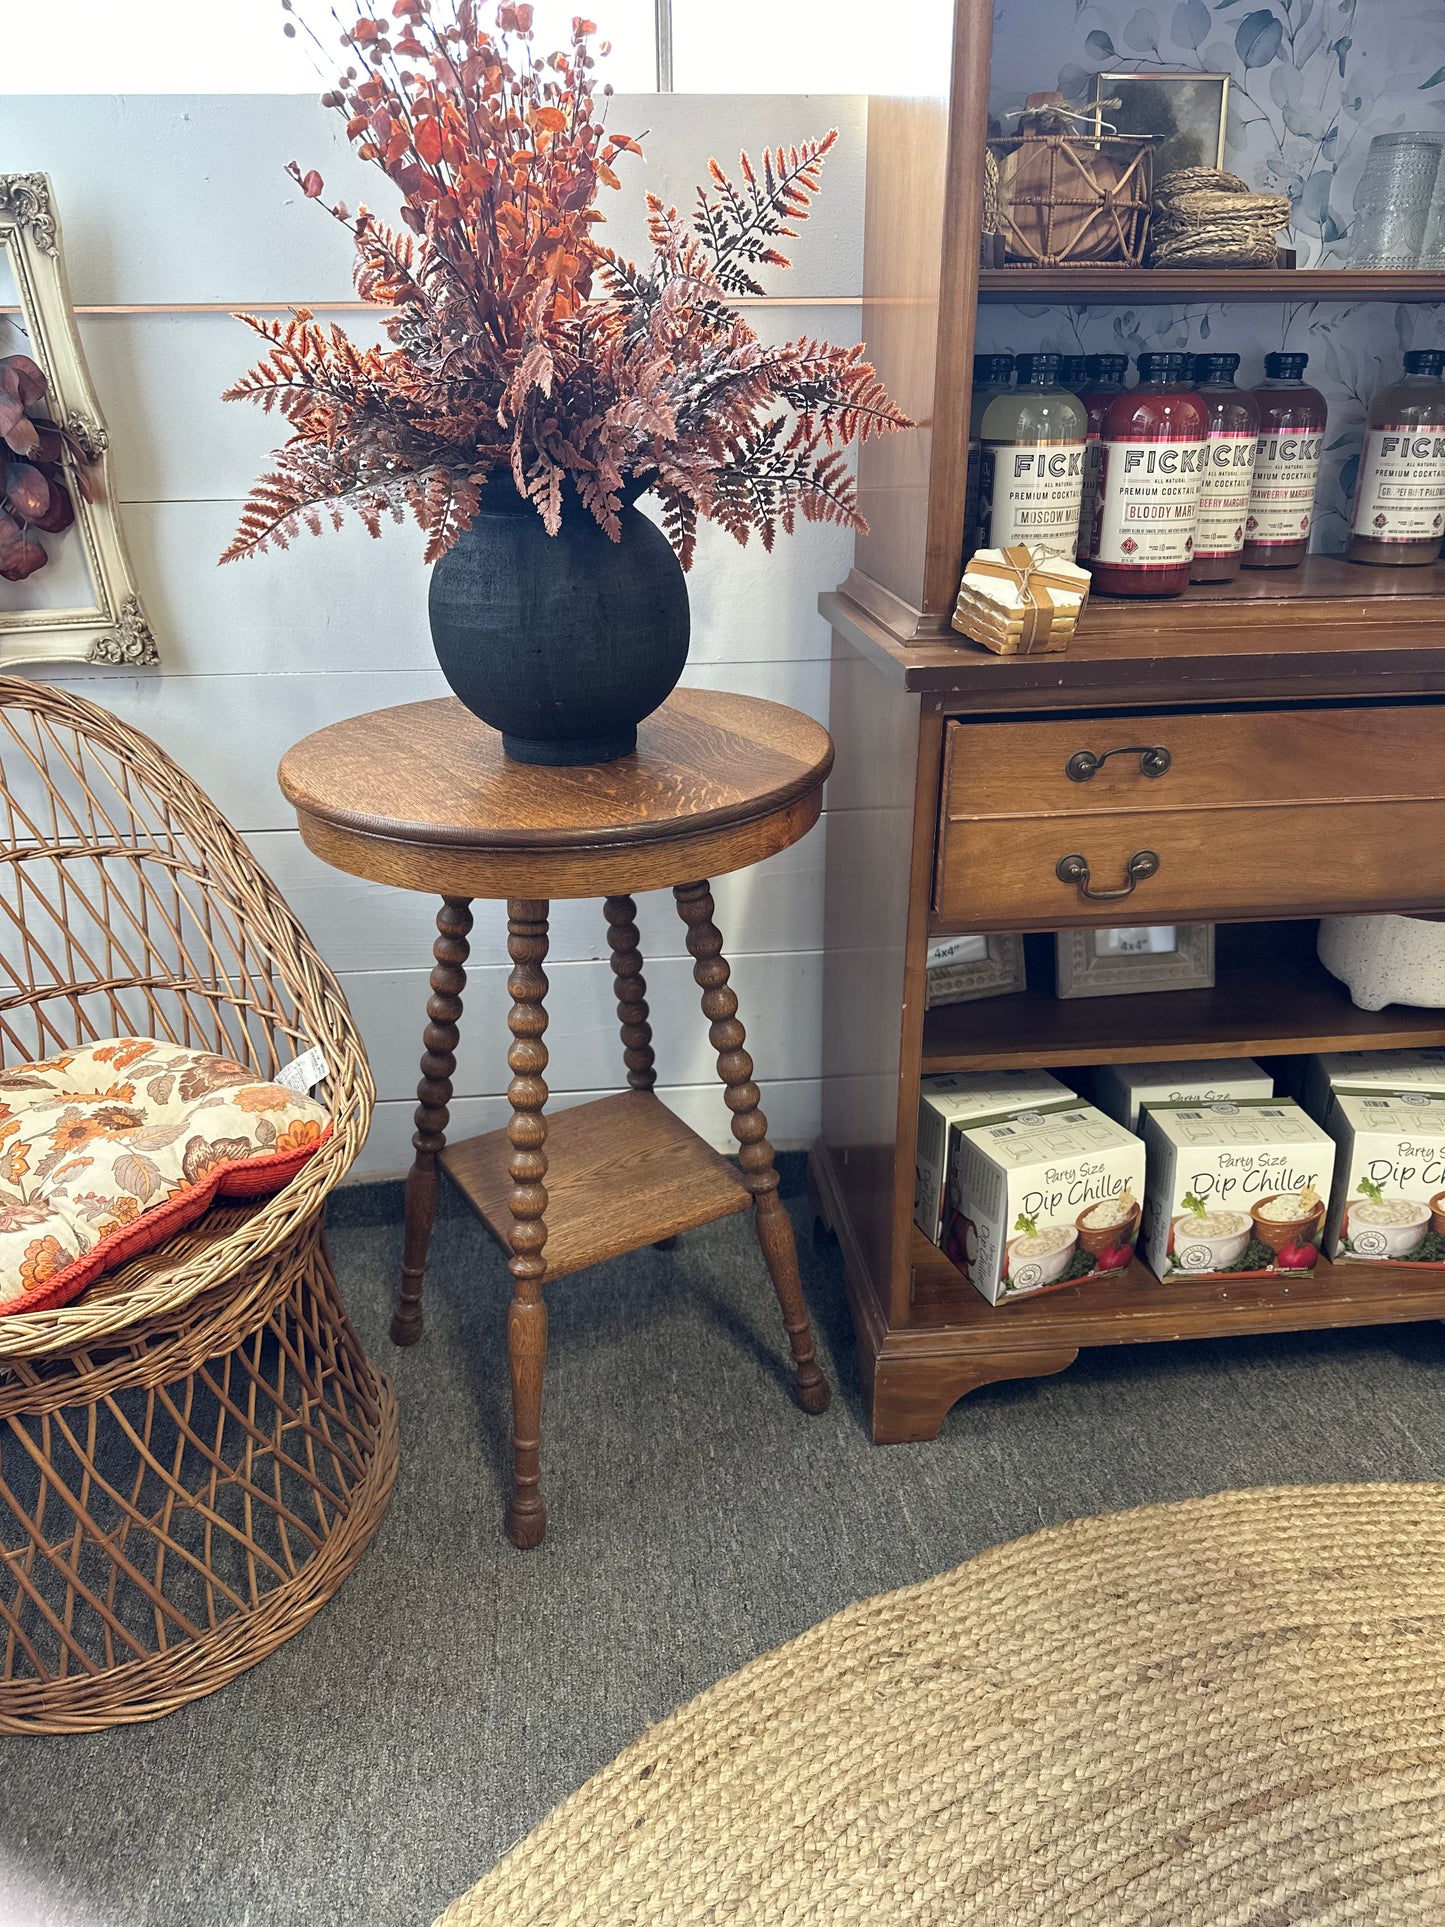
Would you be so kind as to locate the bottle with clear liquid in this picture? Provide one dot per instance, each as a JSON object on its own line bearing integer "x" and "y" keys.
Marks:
{"x": 1031, "y": 477}
{"x": 1229, "y": 471}
{"x": 992, "y": 375}
{"x": 1399, "y": 510}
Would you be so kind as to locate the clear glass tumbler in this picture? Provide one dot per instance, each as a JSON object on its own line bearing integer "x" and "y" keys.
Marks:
{"x": 1392, "y": 201}
{"x": 1432, "y": 248}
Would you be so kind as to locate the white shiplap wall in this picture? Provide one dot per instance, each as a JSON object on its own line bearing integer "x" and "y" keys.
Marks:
{"x": 182, "y": 200}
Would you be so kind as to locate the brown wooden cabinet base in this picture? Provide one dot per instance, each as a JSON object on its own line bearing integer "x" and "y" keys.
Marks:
{"x": 953, "y": 1341}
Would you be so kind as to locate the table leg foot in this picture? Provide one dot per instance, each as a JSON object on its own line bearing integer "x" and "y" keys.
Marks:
{"x": 527, "y": 1169}
{"x": 434, "y": 1096}
{"x": 750, "y": 1128}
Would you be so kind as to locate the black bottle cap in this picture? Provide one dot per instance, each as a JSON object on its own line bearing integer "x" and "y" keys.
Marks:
{"x": 1285, "y": 367}
{"x": 1215, "y": 368}
{"x": 1162, "y": 367}
{"x": 1107, "y": 367}
{"x": 1073, "y": 369}
{"x": 1037, "y": 371}
{"x": 992, "y": 370}
{"x": 1425, "y": 361}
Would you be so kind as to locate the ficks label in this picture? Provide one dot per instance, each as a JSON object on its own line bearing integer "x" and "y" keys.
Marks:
{"x": 1224, "y": 498}
{"x": 1400, "y": 496}
{"x": 1282, "y": 497}
{"x": 1148, "y": 503}
{"x": 1031, "y": 492}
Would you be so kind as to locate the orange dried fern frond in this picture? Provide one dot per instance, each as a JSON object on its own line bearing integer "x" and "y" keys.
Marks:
{"x": 522, "y": 352}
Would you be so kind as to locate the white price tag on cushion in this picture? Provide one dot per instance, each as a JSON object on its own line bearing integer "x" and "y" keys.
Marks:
{"x": 305, "y": 1072}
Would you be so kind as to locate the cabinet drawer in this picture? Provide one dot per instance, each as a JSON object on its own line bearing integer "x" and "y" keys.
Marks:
{"x": 1213, "y": 761}
{"x": 1213, "y": 866}
{"x": 1251, "y": 813}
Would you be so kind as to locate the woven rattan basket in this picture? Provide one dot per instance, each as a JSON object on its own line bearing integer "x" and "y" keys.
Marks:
{"x": 1204, "y": 217}
{"x": 1066, "y": 197}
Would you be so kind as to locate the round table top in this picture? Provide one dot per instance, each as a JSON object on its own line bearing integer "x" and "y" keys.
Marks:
{"x": 421, "y": 795}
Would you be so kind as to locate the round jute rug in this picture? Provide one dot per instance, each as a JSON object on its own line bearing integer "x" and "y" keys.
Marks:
{"x": 1226, "y": 1711}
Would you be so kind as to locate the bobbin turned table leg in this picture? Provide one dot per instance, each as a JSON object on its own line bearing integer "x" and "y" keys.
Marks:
{"x": 434, "y": 1096}
{"x": 750, "y": 1128}
{"x": 637, "y": 1051}
{"x": 527, "y": 1168}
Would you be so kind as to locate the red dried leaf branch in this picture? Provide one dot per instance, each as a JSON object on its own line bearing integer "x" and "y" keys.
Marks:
{"x": 522, "y": 348}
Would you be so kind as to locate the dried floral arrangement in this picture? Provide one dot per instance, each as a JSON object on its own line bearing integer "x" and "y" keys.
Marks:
{"x": 34, "y": 499}
{"x": 526, "y": 354}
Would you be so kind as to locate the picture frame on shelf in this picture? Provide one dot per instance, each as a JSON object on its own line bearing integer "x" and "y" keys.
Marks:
{"x": 1123, "y": 961}
{"x": 960, "y": 969}
{"x": 79, "y": 603}
{"x": 1186, "y": 114}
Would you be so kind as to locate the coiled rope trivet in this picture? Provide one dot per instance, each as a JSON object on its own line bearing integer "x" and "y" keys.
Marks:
{"x": 1225, "y": 1713}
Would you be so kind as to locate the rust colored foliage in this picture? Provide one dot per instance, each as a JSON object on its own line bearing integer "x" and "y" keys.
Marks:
{"x": 523, "y": 352}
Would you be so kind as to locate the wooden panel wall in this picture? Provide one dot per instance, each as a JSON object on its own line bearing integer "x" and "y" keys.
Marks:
{"x": 921, "y": 280}
{"x": 191, "y": 206}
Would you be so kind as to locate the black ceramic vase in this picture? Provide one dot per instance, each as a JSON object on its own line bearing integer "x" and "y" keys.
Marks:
{"x": 562, "y": 642}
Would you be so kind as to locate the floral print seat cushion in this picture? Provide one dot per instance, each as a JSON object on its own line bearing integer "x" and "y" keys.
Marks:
{"x": 109, "y": 1149}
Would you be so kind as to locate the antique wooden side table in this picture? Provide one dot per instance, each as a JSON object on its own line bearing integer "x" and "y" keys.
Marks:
{"x": 422, "y": 796}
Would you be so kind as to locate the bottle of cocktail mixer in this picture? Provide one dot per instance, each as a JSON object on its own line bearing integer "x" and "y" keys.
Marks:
{"x": 1292, "y": 419}
{"x": 1031, "y": 480}
{"x": 1153, "y": 440}
{"x": 991, "y": 376}
{"x": 1399, "y": 512}
{"x": 1103, "y": 379}
{"x": 1224, "y": 498}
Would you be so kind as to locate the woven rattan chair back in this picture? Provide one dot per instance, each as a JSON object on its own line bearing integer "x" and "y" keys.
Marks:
{"x": 130, "y": 907}
{"x": 195, "y": 1453}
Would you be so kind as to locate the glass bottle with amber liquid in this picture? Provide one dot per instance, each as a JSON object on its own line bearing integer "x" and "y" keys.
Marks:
{"x": 1292, "y": 418}
{"x": 1229, "y": 469}
{"x": 1399, "y": 511}
{"x": 1103, "y": 379}
{"x": 992, "y": 375}
{"x": 1031, "y": 476}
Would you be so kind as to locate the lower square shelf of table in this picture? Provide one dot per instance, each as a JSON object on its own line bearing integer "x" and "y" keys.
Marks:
{"x": 622, "y": 1172}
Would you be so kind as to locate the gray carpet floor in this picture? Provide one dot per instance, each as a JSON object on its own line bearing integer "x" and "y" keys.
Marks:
{"x": 456, "y": 1689}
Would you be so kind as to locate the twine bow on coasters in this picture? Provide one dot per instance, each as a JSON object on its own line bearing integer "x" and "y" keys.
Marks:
{"x": 1037, "y": 583}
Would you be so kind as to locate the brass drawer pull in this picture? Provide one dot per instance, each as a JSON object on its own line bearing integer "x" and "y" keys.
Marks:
{"x": 1153, "y": 761}
{"x": 1075, "y": 869}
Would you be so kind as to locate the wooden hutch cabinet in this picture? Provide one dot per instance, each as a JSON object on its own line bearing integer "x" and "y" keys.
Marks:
{"x": 1302, "y": 711}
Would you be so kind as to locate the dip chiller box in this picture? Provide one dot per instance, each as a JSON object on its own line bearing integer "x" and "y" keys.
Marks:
{"x": 1044, "y": 1198}
{"x": 1237, "y": 1188}
{"x": 1123, "y": 1090}
{"x": 1388, "y": 1203}
{"x": 945, "y": 1105}
{"x": 1379, "y": 1071}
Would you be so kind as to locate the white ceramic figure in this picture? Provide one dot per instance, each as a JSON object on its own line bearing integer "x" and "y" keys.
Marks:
{"x": 1387, "y": 960}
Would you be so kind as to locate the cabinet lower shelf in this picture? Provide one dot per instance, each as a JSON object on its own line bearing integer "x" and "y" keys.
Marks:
{"x": 1135, "y": 1308}
{"x": 1271, "y": 997}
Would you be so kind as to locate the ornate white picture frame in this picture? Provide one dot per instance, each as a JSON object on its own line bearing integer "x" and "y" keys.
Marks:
{"x": 112, "y": 626}
{"x": 1080, "y": 970}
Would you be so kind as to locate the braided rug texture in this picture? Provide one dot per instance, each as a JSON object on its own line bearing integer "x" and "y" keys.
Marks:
{"x": 1226, "y": 1711}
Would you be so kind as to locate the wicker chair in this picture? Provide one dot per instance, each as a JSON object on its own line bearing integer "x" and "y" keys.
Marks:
{"x": 196, "y": 1452}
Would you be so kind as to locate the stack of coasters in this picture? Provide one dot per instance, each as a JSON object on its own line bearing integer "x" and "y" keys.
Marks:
{"x": 1021, "y": 601}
